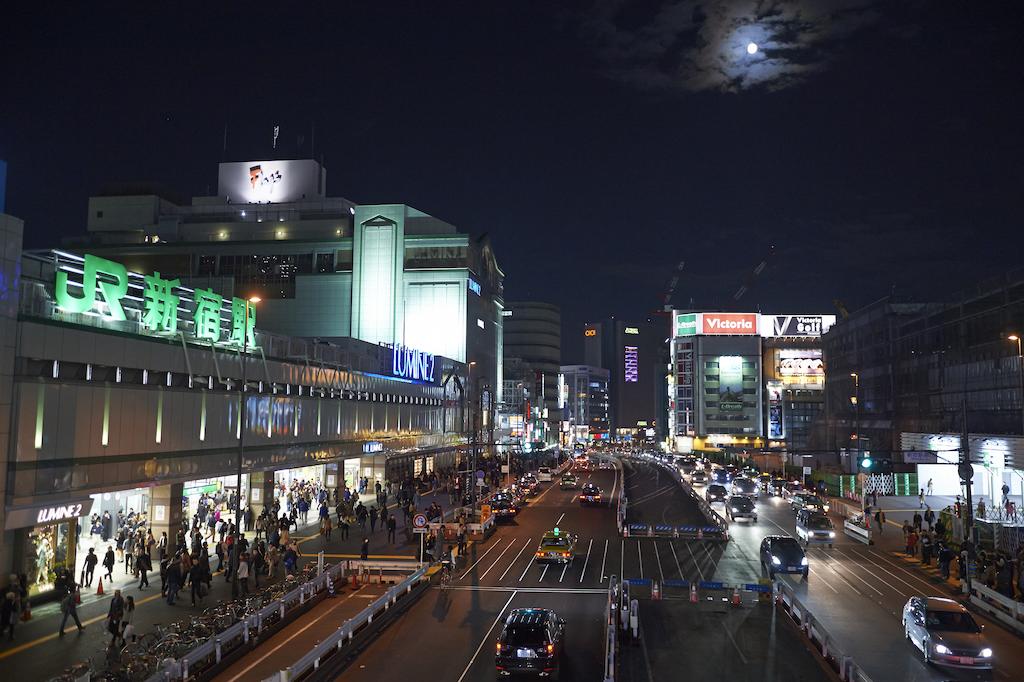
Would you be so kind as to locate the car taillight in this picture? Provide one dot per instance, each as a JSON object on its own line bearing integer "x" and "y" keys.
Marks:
{"x": 565, "y": 554}
{"x": 551, "y": 649}
{"x": 540, "y": 553}
{"x": 500, "y": 648}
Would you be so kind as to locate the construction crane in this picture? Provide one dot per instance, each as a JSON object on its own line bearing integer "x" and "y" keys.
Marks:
{"x": 755, "y": 273}
{"x": 667, "y": 299}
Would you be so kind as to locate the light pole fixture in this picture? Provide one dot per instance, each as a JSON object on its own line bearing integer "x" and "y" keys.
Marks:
{"x": 1020, "y": 375}
{"x": 236, "y": 545}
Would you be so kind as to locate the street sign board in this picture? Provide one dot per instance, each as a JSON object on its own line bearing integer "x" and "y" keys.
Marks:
{"x": 485, "y": 512}
{"x": 966, "y": 471}
{"x": 421, "y": 530}
{"x": 419, "y": 521}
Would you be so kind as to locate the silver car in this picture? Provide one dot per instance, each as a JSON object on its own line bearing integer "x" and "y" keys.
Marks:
{"x": 946, "y": 633}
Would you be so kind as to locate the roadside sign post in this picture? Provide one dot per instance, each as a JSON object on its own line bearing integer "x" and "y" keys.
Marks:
{"x": 419, "y": 526}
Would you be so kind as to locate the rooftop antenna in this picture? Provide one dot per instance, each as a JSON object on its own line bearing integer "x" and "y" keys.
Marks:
{"x": 277, "y": 131}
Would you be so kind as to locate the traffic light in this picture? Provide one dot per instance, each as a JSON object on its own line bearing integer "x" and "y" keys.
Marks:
{"x": 866, "y": 462}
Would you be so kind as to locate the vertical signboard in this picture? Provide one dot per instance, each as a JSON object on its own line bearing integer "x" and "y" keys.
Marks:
{"x": 730, "y": 383}
{"x": 687, "y": 324}
{"x": 684, "y": 362}
{"x": 631, "y": 363}
{"x": 776, "y": 423}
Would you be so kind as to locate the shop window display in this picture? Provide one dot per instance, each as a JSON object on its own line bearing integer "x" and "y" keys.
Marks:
{"x": 47, "y": 556}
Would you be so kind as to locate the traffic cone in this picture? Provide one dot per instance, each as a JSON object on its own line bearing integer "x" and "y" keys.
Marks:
{"x": 693, "y": 593}
{"x": 735, "y": 596}
{"x": 99, "y": 588}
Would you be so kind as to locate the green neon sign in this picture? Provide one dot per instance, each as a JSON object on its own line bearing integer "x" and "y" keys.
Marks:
{"x": 104, "y": 292}
{"x": 686, "y": 324}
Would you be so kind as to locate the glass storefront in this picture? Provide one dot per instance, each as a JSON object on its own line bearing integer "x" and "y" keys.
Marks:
{"x": 45, "y": 551}
{"x": 286, "y": 479}
{"x": 219, "y": 492}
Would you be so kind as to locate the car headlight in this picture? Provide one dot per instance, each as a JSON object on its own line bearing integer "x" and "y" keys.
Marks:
{"x": 735, "y": 510}
{"x": 942, "y": 649}
{"x": 985, "y": 653}
{"x": 831, "y": 533}
{"x": 775, "y": 560}
{"x": 803, "y": 562}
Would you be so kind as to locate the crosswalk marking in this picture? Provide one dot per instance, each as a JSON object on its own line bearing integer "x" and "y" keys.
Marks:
{"x": 508, "y": 547}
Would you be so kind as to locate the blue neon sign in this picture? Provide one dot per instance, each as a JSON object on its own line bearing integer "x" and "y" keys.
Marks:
{"x": 412, "y": 364}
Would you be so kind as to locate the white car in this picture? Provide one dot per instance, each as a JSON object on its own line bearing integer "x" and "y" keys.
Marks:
{"x": 946, "y": 633}
{"x": 815, "y": 527}
{"x": 544, "y": 474}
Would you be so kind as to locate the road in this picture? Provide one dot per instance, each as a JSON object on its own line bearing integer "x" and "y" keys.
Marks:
{"x": 449, "y": 634}
{"x": 858, "y": 593}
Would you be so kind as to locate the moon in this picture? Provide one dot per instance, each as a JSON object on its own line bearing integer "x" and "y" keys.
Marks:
{"x": 751, "y": 48}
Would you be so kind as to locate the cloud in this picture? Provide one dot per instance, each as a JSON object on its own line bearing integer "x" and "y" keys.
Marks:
{"x": 697, "y": 45}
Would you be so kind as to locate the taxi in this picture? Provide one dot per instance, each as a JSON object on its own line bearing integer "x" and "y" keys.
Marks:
{"x": 569, "y": 482}
{"x": 556, "y": 546}
{"x": 590, "y": 494}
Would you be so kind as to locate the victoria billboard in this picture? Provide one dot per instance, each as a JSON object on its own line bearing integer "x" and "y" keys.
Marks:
{"x": 744, "y": 324}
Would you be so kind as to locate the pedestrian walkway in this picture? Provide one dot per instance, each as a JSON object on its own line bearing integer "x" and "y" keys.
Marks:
{"x": 36, "y": 653}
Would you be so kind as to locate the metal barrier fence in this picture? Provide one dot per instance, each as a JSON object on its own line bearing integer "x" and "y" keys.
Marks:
{"x": 843, "y": 664}
{"x": 1007, "y": 611}
{"x": 213, "y": 650}
{"x": 611, "y": 626}
{"x": 345, "y": 633}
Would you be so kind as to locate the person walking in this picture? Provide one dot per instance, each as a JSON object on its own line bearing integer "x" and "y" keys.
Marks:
{"x": 917, "y": 520}
{"x": 243, "y": 573}
{"x": 108, "y": 563}
{"x": 196, "y": 578}
{"x": 69, "y": 607}
{"x": 364, "y": 553}
{"x": 90, "y": 566}
{"x": 325, "y": 531}
{"x": 920, "y": 499}
{"x": 10, "y": 611}
{"x": 391, "y": 529}
{"x": 343, "y": 524}
{"x": 373, "y": 519}
{"x": 929, "y": 517}
{"x": 144, "y": 565}
{"x": 930, "y": 488}
{"x": 880, "y": 521}
{"x": 174, "y": 580}
{"x": 114, "y": 615}
{"x": 128, "y": 620}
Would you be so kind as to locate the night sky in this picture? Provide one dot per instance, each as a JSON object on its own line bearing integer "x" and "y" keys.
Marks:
{"x": 877, "y": 146}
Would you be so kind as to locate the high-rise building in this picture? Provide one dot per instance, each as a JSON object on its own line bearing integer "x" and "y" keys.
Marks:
{"x": 532, "y": 359}
{"x": 583, "y": 398}
{"x": 635, "y": 356}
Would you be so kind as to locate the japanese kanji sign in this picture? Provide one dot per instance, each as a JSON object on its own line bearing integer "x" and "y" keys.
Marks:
{"x": 160, "y": 306}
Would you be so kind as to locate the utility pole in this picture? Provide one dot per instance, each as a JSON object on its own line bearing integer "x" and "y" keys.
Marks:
{"x": 242, "y": 425}
{"x": 966, "y": 472}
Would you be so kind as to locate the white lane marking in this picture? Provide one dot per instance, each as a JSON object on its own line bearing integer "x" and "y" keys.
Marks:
{"x": 564, "y": 568}
{"x": 839, "y": 575}
{"x": 913, "y": 590}
{"x": 817, "y": 573}
{"x": 559, "y": 519}
{"x": 487, "y": 636}
{"x": 657, "y": 555}
{"x": 502, "y": 576}
{"x": 587, "y": 560}
{"x": 603, "y": 557}
{"x": 615, "y": 484}
{"x": 678, "y": 567}
{"x": 852, "y": 573}
{"x": 479, "y": 560}
{"x": 544, "y": 572}
{"x": 507, "y": 548}
{"x": 530, "y": 563}
{"x": 622, "y": 560}
{"x": 735, "y": 645}
{"x": 640, "y": 559}
{"x": 929, "y": 586}
{"x": 695, "y": 562}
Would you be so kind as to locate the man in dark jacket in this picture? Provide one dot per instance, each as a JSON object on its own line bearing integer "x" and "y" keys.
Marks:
{"x": 108, "y": 562}
{"x": 143, "y": 564}
{"x": 90, "y": 566}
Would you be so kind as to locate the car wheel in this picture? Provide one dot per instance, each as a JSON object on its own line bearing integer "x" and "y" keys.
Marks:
{"x": 906, "y": 632}
{"x": 807, "y": 572}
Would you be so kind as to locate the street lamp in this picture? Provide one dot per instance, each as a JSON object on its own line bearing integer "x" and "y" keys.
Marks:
{"x": 855, "y": 399}
{"x": 1020, "y": 374}
{"x": 236, "y": 545}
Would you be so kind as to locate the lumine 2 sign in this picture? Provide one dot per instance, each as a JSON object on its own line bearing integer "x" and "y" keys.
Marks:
{"x": 161, "y": 302}
{"x": 409, "y": 363}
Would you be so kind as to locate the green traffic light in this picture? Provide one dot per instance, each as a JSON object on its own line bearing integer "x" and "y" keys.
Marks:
{"x": 866, "y": 463}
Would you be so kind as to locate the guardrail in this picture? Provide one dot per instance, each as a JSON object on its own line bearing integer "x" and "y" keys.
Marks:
{"x": 825, "y": 644}
{"x": 238, "y": 635}
{"x": 1009, "y": 612}
{"x": 611, "y": 627}
{"x": 857, "y": 531}
{"x": 336, "y": 641}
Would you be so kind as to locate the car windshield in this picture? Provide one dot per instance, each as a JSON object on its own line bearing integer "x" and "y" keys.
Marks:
{"x": 810, "y": 499}
{"x": 556, "y": 542}
{"x": 716, "y": 489}
{"x": 951, "y": 621}
{"x": 819, "y": 523}
{"x": 742, "y": 503}
{"x": 745, "y": 484}
{"x": 590, "y": 489}
{"x": 525, "y": 636}
{"x": 786, "y": 547}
